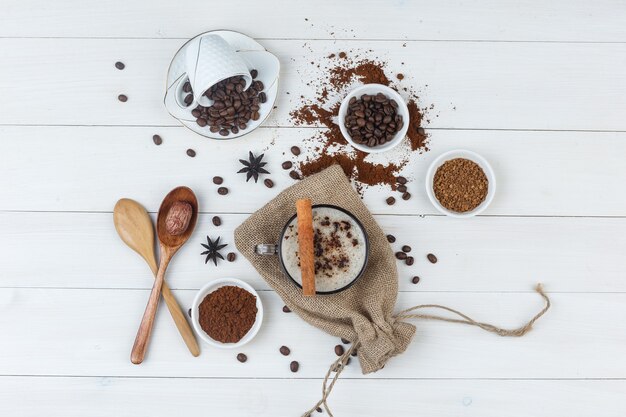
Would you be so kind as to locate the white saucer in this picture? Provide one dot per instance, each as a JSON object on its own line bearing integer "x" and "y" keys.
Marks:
{"x": 256, "y": 57}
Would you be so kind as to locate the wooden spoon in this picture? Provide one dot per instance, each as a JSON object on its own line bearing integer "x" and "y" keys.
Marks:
{"x": 136, "y": 230}
{"x": 169, "y": 245}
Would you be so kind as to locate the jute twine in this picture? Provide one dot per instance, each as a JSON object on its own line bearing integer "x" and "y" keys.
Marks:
{"x": 362, "y": 313}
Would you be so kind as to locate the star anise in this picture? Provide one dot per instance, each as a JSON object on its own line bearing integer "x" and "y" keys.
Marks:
{"x": 253, "y": 167}
{"x": 212, "y": 251}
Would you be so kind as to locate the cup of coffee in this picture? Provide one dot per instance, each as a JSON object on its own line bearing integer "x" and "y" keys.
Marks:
{"x": 341, "y": 249}
{"x": 208, "y": 60}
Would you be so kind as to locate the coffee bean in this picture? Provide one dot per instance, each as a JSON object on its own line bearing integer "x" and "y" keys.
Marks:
{"x": 287, "y": 165}
{"x": 401, "y": 255}
{"x": 191, "y": 153}
{"x": 294, "y": 175}
{"x": 402, "y": 188}
{"x": 222, "y": 191}
{"x": 294, "y": 366}
{"x": 241, "y": 357}
{"x": 390, "y": 201}
{"x": 319, "y": 409}
{"x": 401, "y": 180}
{"x": 201, "y": 121}
{"x": 295, "y": 150}
{"x": 216, "y": 221}
{"x": 187, "y": 87}
{"x": 284, "y": 350}
{"x": 122, "y": 98}
{"x": 120, "y": 65}
{"x": 188, "y": 99}
{"x": 406, "y": 248}
{"x": 189, "y": 313}
{"x": 339, "y": 350}
{"x": 409, "y": 260}
{"x": 345, "y": 341}
{"x": 391, "y": 238}
{"x": 421, "y": 131}
{"x": 432, "y": 258}
{"x": 415, "y": 279}
{"x": 218, "y": 180}
{"x": 354, "y": 353}
{"x": 157, "y": 139}
{"x": 406, "y": 196}
{"x": 254, "y": 73}
{"x": 286, "y": 309}
{"x": 231, "y": 257}
{"x": 268, "y": 183}
{"x": 262, "y": 97}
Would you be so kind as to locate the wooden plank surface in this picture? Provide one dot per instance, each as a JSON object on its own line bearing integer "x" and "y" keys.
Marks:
{"x": 486, "y": 254}
{"x": 557, "y": 20}
{"x": 481, "y": 85}
{"x": 128, "y": 397}
{"x": 55, "y": 169}
{"x": 89, "y": 332}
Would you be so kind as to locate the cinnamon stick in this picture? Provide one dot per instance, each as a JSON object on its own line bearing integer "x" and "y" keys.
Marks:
{"x": 305, "y": 245}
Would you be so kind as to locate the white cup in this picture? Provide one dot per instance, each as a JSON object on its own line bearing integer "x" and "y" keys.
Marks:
{"x": 209, "y": 60}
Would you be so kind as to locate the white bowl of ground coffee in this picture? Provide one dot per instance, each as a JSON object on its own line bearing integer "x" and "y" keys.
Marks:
{"x": 460, "y": 183}
{"x": 227, "y": 313}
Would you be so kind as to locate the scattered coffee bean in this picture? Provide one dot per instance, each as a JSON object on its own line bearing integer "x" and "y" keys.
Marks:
{"x": 401, "y": 188}
{"x": 339, "y": 350}
{"x": 187, "y": 87}
{"x": 233, "y": 108}
{"x": 287, "y": 165}
{"x": 218, "y": 180}
{"x": 294, "y": 366}
{"x": 401, "y": 255}
{"x": 406, "y": 248}
{"x": 188, "y": 99}
{"x": 345, "y": 341}
{"x": 409, "y": 260}
{"x": 231, "y": 257}
{"x": 401, "y": 180}
{"x": 373, "y": 120}
{"x": 189, "y": 313}
{"x": 191, "y": 153}
{"x": 421, "y": 131}
{"x": 222, "y": 191}
{"x": 295, "y": 150}
{"x": 390, "y": 201}
{"x": 122, "y": 98}
{"x": 120, "y": 65}
{"x": 415, "y": 279}
{"x": 286, "y": 309}
{"x": 391, "y": 238}
{"x": 284, "y": 350}
{"x": 268, "y": 183}
{"x": 432, "y": 258}
{"x": 354, "y": 353}
{"x": 216, "y": 221}
{"x": 241, "y": 357}
{"x": 157, "y": 140}
{"x": 406, "y": 196}
{"x": 319, "y": 409}
{"x": 254, "y": 73}
{"x": 294, "y": 175}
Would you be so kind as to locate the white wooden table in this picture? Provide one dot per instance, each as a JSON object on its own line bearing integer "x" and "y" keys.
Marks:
{"x": 537, "y": 87}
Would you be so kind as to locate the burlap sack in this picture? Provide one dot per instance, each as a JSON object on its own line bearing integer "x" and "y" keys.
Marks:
{"x": 362, "y": 313}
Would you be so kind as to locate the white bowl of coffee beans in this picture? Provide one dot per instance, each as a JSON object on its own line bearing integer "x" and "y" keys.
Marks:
{"x": 373, "y": 118}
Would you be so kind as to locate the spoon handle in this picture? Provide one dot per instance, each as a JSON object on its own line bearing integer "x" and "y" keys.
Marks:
{"x": 147, "y": 322}
{"x": 181, "y": 322}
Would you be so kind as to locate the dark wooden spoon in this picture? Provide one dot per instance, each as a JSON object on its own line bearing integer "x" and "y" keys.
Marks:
{"x": 169, "y": 245}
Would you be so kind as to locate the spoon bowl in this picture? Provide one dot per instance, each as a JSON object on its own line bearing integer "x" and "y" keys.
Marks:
{"x": 183, "y": 194}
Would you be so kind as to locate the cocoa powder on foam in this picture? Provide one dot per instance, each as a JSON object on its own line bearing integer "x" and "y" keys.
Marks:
{"x": 342, "y": 74}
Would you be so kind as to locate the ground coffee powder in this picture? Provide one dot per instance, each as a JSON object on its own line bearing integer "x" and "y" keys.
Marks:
{"x": 460, "y": 185}
{"x": 227, "y": 314}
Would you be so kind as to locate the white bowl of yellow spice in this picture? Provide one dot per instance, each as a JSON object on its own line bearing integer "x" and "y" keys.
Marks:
{"x": 460, "y": 183}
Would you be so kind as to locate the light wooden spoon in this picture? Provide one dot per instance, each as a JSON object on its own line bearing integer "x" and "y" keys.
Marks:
{"x": 134, "y": 226}
{"x": 169, "y": 246}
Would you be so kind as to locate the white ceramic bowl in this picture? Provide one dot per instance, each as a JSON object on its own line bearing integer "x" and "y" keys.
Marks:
{"x": 209, "y": 288}
{"x": 403, "y": 110}
{"x": 472, "y": 156}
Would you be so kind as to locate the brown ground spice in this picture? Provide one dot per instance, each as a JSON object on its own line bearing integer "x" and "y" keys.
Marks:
{"x": 340, "y": 77}
{"x": 227, "y": 313}
{"x": 460, "y": 185}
